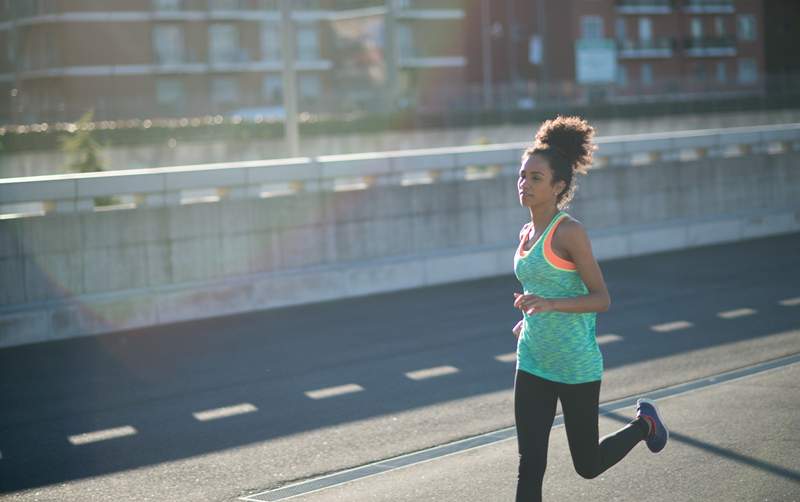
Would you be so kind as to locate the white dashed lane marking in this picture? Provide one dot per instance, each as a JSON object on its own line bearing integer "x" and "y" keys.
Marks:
{"x": 334, "y": 391}
{"x": 103, "y": 435}
{"x": 608, "y": 338}
{"x": 790, "y": 302}
{"x": 511, "y": 357}
{"x": 671, "y": 326}
{"x": 733, "y": 314}
{"x": 431, "y": 372}
{"x": 227, "y": 411}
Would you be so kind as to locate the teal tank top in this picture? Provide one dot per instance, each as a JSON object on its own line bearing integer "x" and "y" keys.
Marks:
{"x": 557, "y": 346}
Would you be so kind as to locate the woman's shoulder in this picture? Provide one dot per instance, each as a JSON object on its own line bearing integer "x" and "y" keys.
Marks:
{"x": 570, "y": 229}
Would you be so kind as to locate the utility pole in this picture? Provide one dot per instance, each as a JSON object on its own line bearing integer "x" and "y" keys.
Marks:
{"x": 486, "y": 45}
{"x": 289, "y": 79}
{"x": 390, "y": 58}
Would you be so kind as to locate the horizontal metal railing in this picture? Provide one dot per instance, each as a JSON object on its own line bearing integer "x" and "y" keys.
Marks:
{"x": 169, "y": 186}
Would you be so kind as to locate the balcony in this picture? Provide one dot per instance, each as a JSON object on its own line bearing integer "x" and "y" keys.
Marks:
{"x": 644, "y": 6}
{"x": 709, "y": 6}
{"x": 662, "y": 47}
{"x": 710, "y": 47}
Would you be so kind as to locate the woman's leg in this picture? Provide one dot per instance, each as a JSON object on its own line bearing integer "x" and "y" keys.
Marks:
{"x": 534, "y": 411}
{"x": 580, "y": 406}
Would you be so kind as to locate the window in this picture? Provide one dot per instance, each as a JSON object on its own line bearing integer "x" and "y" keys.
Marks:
{"x": 168, "y": 43}
{"x": 307, "y": 43}
{"x": 748, "y": 71}
{"x": 722, "y": 72}
{"x": 224, "y": 90}
{"x": 405, "y": 41}
{"x": 647, "y": 74}
{"x": 310, "y": 86}
{"x": 591, "y": 27}
{"x": 270, "y": 41}
{"x": 224, "y": 39}
{"x": 622, "y": 75}
{"x": 169, "y": 93}
{"x": 645, "y": 29}
{"x": 747, "y": 27}
{"x": 699, "y": 72}
{"x": 619, "y": 29}
{"x": 719, "y": 26}
{"x": 272, "y": 88}
{"x": 696, "y": 27}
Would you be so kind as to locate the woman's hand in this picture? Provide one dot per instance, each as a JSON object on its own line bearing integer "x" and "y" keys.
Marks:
{"x": 518, "y": 328}
{"x": 532, "y": 304}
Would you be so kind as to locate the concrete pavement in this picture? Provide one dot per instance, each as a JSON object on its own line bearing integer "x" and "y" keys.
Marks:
{"x": 737, "y": 441}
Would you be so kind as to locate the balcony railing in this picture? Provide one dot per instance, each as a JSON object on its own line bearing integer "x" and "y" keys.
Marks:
{"x": 710, "y": 46}
{"x": 644, "y": 6}
{"x": 708, "y": 6}
{"x": 662, "y": 47}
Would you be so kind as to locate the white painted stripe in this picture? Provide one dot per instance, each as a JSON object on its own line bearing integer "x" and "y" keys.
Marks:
{"x": 511, "y": 357}
{"x": 225, "y": 412}
{"x": 733, "y": 314}
{"x": 431, "y": 372}
{"x": 103, "y": 435}
{"x": 671, "y": 326}
{"x": 334, "y": 391}
{"x": 1, "y": 455}
{"x": 608, "y": 338}
{"x": 790, "y": 302}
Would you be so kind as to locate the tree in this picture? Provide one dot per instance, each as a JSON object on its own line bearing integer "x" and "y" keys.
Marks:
{"x": 82, "y": 147}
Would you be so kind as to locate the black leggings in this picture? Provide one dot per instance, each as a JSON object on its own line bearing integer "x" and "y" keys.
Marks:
{"x": 534, "y": 410}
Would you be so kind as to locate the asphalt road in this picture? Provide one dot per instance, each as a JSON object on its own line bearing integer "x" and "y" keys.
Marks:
{"x": 223, "y": 408}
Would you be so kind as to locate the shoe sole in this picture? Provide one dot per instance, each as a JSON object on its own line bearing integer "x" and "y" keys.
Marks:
{"x": 658, "y": 413}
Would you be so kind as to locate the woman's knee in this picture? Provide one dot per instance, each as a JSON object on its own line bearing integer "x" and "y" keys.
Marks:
{"x": 586, "y": 470}
{"x": 531, "y": 467}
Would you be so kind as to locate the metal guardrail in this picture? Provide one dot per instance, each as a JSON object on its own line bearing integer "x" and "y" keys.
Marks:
{"x": 172, "y": 186}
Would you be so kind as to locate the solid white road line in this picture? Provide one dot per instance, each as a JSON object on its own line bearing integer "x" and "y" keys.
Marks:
{"x": 431, "y": 372}
{"x": 671, "y": 326}
{"x": 227, "y": 411}
{"x": 334, "y": 391}
{"x": 103, "y": 435}
{"x": 733, "y": 314}
{"x": 790, "y": 302}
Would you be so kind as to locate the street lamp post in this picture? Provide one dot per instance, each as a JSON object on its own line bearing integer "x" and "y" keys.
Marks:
{"x": 289, "y": 80}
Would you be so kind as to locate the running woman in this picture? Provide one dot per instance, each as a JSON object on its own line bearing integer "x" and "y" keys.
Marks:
{"x": 563, "y": 289}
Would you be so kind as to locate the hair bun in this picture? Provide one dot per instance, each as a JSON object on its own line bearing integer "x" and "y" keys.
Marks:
{"x": 569, "y": 137}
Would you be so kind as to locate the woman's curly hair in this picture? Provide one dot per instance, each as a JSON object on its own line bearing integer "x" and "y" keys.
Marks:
{"x": 566, "y": 143}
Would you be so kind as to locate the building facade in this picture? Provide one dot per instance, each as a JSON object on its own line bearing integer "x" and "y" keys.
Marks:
{"x": 174, "y": 58}
{"x": 619, "y": 50}
{"x": 183, "y": 58}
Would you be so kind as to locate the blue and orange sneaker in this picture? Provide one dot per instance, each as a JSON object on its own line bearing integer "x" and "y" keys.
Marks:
{"x": 659, "y": 434}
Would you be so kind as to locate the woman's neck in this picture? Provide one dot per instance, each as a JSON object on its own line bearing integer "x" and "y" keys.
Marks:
{"x": 541, "y": 217}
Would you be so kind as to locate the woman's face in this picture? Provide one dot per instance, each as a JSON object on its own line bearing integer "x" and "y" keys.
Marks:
{"x": 535, "y": 183}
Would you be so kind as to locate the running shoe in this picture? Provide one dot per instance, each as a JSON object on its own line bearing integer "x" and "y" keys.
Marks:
{"x": 658, "y": 437}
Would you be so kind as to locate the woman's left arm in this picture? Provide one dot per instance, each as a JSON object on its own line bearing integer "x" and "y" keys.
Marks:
{"x": 573, "y": 237}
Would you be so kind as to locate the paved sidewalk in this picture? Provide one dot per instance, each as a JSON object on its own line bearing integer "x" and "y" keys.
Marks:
{"x": 737, "y": 441}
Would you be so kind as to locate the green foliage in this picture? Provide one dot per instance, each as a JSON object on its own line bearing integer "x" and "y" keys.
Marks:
{"x": 82, "y": 147}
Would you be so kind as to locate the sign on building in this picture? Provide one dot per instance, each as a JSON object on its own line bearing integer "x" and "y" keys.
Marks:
{"x": 595, "y": 61}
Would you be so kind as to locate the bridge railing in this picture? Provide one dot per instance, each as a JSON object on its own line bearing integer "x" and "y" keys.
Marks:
{"x": 208, "y": 183}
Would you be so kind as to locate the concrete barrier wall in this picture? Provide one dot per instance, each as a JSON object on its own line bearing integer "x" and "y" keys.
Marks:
{"x": 283, "y": 233}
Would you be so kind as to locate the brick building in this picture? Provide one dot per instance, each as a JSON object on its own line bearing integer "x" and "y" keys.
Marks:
{"x": 145, "y": 58}
{"x": 621, "y": 49}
